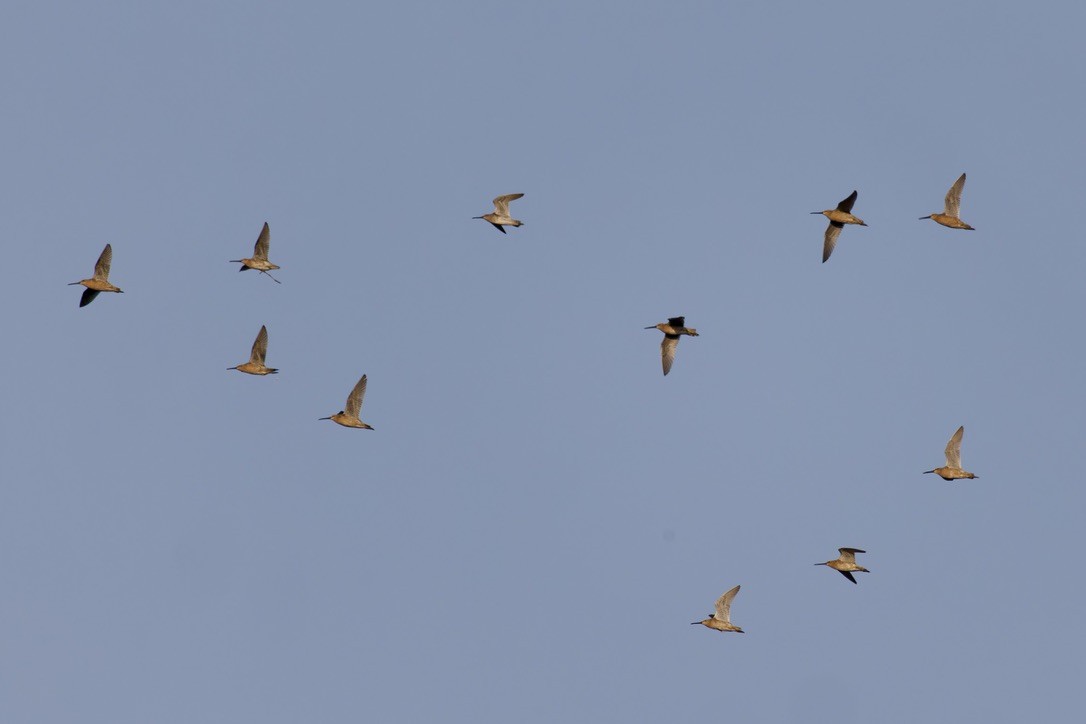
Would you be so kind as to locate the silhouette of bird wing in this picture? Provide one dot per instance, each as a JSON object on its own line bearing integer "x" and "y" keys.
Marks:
{"x": 846, "y": 203}
{"x": 88, "y": 297}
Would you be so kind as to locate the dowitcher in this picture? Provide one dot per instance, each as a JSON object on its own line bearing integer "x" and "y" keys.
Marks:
{"x": 501, "y": 218}
{"x": 721, "y": 620}
{"x": 838, "y": 218}
{"x": 953, "y": 468}
{"x": 348, "y": 416}
{"x": 951, "y": 206}
{"x": 100, "y": 281}
{"x": 672, "y": 328}
{"x": 259, "y": 260}
{"x": 255, "y": 365}
{"x": 845, "y": 564}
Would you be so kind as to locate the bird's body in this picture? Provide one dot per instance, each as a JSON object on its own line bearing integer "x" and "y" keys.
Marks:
{"x": 672, "y": 329}
{"x": 846, "y": 564}
{"x": 721, "y": 619}
{"x": 953, "y": 468}
{"x": 838, "y": 218}
{"x": 259, "y": 259}
{"x": 348, "y": 416}
{"x": 500, "y": 218}
{"x": 100, "y": 281}
{"x": 951, "y": 208}
{"x": 255, "y": 365}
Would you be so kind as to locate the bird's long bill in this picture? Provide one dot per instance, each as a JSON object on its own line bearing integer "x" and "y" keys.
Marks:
{"x": 816, "y": 212}
{"x": 695, "y": 623}
{"x": 652, "y": 327}
{"x": 325, "y": 418}
{"x": 924, "y": 217}
{"x": 477, "y": 217}
{"x": 928, "y": 471}
{"x": 74, "y": 283}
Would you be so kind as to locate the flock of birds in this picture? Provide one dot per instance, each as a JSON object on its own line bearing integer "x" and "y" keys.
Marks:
{"x": 843, "y": 215}
{"x": 673, "y": 329}
{"x": 845, "y": 563}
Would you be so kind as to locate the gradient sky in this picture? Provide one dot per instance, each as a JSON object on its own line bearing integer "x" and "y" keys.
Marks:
{"x": 540, "y": 514}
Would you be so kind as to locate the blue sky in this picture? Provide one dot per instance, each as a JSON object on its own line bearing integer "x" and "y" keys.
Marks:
{"x": 539, "y": 513}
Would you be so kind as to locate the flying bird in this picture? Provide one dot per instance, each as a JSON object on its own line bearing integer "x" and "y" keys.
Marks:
{"x": 100, "y": 281}
{"x": 259, "y": 260}
{"x": 501, "y": 218}
{"x": 953, "y": 468}
{"x": 255, "y": 365}
{"x": 952, "y": 205}
{"x": 348, "y": 416}
{"x": 838, "y": 218}
{"x": 672, "y": 328}
{"x": 721, "y": 620}
{"x": 845, "y": 564}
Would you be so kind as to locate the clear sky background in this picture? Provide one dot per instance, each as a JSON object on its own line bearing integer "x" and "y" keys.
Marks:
{"x": 540, "y": 514}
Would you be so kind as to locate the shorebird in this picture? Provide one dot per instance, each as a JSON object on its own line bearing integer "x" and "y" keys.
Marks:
{"x": 838, "y": 218}
{"x": 672, "y": 328}
{"x": 721, "y": 620}
{"x": 100, "y": 281}
{"x": 259, "y": 260}
{"x": 348, "y": 416}
{"x": 501, "y": 218}
{"x": 846, "y": 563}
{"x": 953, "y": 468}
{"x": 255, "y": 365}
{"x": 951, "y": 206}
